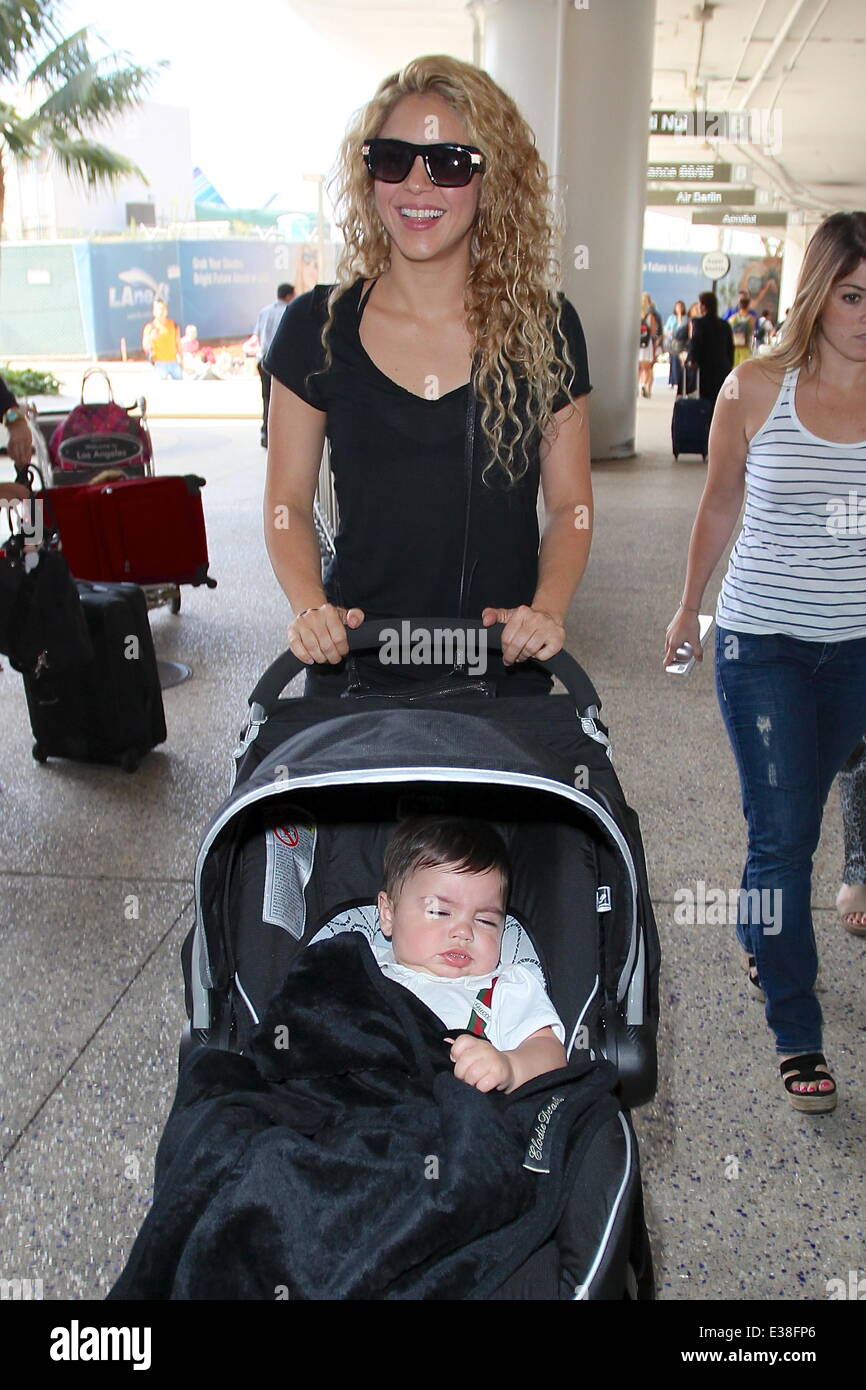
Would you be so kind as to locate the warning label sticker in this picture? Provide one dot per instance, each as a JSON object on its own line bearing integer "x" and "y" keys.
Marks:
{"x": 290, "y": 848}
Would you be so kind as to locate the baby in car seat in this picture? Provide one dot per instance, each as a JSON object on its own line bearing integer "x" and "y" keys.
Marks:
{"x": 442, "y": 905}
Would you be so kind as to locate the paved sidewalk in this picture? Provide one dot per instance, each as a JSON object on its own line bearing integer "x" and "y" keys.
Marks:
{"x": 746, "y": 1199}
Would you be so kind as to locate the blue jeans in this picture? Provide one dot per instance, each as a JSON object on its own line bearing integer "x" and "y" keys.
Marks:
{"x": 172, "y": 370}
{"x": 793, "y": 711}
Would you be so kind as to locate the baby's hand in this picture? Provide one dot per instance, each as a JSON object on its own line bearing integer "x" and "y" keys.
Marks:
{"x": 478, "y": 1063}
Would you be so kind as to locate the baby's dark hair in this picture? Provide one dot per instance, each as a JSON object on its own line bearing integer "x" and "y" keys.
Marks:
{"x": 427, "y": 842}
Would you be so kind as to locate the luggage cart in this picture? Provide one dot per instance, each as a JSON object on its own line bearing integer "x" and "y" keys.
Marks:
{"x": 99, "y": 458}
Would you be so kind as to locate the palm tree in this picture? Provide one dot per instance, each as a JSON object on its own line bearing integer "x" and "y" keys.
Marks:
{"x": 53, "y": 93}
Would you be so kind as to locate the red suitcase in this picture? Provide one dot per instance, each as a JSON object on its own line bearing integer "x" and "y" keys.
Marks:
{"x": 69, "y": 512}
{"x": 138, "y": 530}
{"x": 152, "y": 530}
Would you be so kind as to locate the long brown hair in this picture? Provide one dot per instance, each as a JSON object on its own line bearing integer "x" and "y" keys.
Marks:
{"x": 512, "y": 311}
{"x": 838, "y": 246}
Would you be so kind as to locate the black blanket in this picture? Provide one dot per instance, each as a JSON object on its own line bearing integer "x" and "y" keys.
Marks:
{"x": 340, "y": 1158}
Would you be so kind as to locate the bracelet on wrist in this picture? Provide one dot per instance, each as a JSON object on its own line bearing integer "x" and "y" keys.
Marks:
{"x": 686, "y": 608}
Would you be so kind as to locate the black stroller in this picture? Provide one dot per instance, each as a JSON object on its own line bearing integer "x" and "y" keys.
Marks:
{"x": 295, "y": 852}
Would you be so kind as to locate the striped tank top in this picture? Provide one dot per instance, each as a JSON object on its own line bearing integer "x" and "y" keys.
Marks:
{"x": 799, "y": 564}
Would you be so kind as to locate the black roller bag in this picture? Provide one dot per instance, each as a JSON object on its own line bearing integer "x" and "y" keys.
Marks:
{"x": 690, "y": 425}
{"x": 110, "y": 709}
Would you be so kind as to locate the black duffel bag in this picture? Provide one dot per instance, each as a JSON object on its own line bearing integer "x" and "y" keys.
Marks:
{"x": 42, "y": 623}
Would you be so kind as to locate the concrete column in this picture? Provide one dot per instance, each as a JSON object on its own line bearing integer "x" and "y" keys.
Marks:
{"x": 797, "y": 238}
{"x": 581, "y": 73}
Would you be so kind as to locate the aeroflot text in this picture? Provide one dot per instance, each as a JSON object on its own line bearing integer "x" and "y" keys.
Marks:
{"x": 76, "y": 1343}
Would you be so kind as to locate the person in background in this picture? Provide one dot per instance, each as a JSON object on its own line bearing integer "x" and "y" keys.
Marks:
{"x": 267, "y": 324}
{"x": 694, "y": 312}
{"x": 657, "y": 318}
{"x": 742, "y": 306}
{"x": 160, "y": 341}
{"x": 19, "y": 446}
{"x": 676, "y": 340}
{"x": 196, "y": 359}
{"x": 711, "y": 348}
{"x": 743, "y": 321}
{"x": 648, "y": 346}
{"x": 764, "y": 332}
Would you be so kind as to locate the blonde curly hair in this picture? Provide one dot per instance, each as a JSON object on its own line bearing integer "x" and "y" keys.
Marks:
{"x": 512, "y": 309}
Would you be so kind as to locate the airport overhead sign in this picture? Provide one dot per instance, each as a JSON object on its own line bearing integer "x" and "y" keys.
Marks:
{"x": 706, "y": 125}
{"x": 700, "y": 197}
{"x": 683, "y": 171}
{"x": 719, "y": 217}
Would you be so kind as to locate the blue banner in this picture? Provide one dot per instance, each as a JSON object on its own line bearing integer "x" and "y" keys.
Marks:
{"x": 672, "y": 275}
{"x": 226, "y": 283}
{"x": 125, "y": 276}
{"x": 217, "y": 285}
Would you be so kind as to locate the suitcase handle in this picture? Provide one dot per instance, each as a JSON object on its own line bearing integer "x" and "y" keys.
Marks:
{"x": 370, "y": 635}
{"x": 697, "y": 390}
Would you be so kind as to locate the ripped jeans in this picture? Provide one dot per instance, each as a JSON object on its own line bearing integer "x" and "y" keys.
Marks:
{"x": 793, "y": 711}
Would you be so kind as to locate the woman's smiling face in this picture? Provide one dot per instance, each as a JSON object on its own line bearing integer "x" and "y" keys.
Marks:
{"x": 426, "y": 120}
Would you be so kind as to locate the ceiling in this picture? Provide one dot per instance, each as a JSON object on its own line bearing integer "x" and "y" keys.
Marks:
{"x": 802, "y": 63}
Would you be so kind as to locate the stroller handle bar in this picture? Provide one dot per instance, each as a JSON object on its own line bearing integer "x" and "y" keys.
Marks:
{"x": 373, "y": 634}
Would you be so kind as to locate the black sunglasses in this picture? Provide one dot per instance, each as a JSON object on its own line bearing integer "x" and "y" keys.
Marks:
{"x": 448, "y": 166}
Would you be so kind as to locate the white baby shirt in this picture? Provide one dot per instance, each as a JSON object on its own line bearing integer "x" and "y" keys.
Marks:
{"x": 520, "y": 1005}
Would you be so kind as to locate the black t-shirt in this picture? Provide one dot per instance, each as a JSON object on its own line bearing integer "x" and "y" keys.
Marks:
{"x": 7, "y": 400}
{"x": 399, "y": 470}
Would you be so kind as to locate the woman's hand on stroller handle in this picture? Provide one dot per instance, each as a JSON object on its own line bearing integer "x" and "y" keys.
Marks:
{"x": 369, "y": 634}
{"x": 527, "y": 633}
{"x": 318, "y": 635}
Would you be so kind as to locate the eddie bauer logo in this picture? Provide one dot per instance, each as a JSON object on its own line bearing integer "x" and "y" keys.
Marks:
{"x": 535, "y": 1155}
{"x": 76, "y": 1343}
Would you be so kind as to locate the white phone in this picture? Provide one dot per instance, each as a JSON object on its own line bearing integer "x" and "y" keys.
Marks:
{"x": 687, "y": 661}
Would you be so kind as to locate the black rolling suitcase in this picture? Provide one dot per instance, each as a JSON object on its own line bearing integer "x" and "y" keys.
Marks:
{"x": 690, "y": 424}
{"x": 109, "y": 710}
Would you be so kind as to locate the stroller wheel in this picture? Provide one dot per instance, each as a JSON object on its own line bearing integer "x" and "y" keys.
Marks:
{"x": 39, "y": 753}
{"x": 174, "y": 604}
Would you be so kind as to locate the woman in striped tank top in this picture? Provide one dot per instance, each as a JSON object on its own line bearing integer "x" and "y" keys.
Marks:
{"x": 789, "y": 428}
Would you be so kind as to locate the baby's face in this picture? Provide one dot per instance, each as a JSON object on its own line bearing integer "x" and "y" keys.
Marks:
{"x": 446, "y": 923}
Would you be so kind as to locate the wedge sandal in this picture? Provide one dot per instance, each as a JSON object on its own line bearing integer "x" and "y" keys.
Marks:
{"x": 803, "y": 1068}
